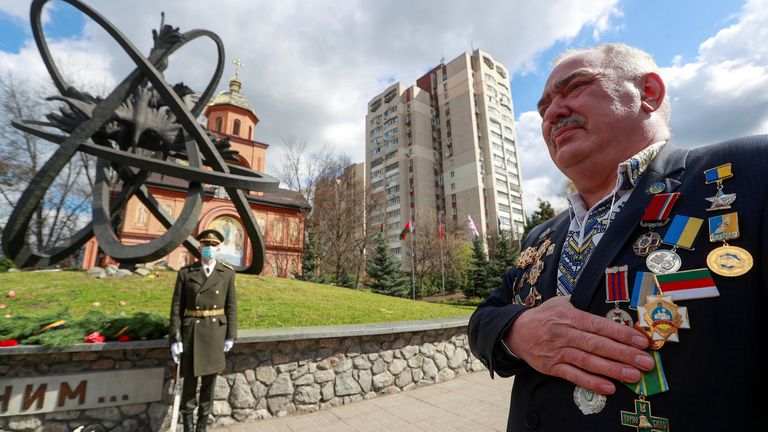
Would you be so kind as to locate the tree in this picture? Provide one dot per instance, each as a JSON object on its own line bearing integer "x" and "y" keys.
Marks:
{"x": 477, "y": 271}
{"x": 504, "y": 254}
{"x": 384, "y": 272}
{"x": 309, "y": 265}
{"x": 67, "y": 203}
{"x": 544, "y": 213}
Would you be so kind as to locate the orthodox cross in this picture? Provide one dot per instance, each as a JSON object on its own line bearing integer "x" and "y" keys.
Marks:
{"x": 642, "y": 419}
{"x": 238, "y": 66}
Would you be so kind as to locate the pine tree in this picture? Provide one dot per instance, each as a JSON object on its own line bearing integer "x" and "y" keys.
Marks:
{"x": 503, "y": 258}
{"x": 477, "y": 271}
{"x": 384, "y": 272}
{"x": 543, "y": 214}
{"x": 309, "y": 260}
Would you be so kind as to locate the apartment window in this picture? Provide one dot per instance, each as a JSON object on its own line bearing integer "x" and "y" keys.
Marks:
{"x": 454, "y": 211}
{"x": 453, "y": 198}
{"x": 450, "y": 163}
{"x": 391, "y": 167}
{"x": 393, "y": 201}
{"x": 490, "y": 78}
{"x": 393, "y": 213}
{"x": 452, "y": 174}
{"x": 390, "y": 155}
{"x": 504, "y": 207}
{"x": 396, "y": 251}
{"x": 453, "y": 186}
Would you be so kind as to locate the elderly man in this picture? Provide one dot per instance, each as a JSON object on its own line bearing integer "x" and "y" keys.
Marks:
{"x": 203, "y": 326}
{"x": 643, "y": 306}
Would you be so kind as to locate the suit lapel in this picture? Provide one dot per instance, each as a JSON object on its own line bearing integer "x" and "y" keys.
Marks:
{"x": 667, "y": 167}
{"x": 197, "y": 274}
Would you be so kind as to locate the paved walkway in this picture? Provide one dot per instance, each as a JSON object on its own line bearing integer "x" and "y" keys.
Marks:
{"x": 472, "y": 402}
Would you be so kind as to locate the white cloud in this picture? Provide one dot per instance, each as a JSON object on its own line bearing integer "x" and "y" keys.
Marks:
{"x": 541, "y": 178}
{"x": 723, "y": 93}
{"x": 311, "y": 67}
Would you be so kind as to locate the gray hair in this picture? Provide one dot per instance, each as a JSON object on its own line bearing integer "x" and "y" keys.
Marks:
{"x": 623, "y": 62}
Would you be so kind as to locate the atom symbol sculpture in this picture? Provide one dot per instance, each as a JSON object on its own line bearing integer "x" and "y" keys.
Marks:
{"x": 143, "y": 126}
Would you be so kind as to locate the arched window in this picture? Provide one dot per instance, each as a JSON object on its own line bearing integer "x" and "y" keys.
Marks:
{"x": 250, "y": 132}
{"x": 236, "y": 128}
{"x": 217, "y": 128}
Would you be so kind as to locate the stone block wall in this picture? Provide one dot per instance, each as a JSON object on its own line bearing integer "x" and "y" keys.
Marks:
{"x": 267, "y": 374}
{"x": 277, "y": 379}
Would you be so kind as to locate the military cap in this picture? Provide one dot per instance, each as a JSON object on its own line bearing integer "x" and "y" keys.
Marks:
{"x": 210, "y": 235}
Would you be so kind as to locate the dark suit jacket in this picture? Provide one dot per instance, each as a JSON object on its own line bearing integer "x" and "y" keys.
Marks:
{"x": 717, "y": 372}
{"x": 203, "y": 337}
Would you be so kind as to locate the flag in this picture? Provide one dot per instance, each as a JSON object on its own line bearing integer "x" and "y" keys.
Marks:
{"x": 381, "y": 231}
{"x": 406, "y": 230}
{"x": 440, "y": 231}
{"x": 472, "y": 226}
{"x": 687, "y": 285}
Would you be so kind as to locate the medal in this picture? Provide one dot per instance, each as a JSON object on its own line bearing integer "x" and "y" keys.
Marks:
{"x": 646, "y": 243}
{"x": 535, "y": 272}
{"x": 526, "y": 257}
{"x": 533, "y": 298}
{"x": 664, "y": 317}
{"x": 617, "y": 291}
{"x": 682, "y": 232}
{"x": 642, "y": 419}
{"x": 663, "y": 261}
{"x": 588, "y": 401}
{"x": 721, "y": 200}
{"x": 656, "y": 215}
{"x": 729, "y": 261}
{"x": 652, "y": 344}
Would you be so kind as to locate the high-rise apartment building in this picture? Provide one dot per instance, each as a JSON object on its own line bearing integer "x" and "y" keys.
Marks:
{"x": 446, "y": 149}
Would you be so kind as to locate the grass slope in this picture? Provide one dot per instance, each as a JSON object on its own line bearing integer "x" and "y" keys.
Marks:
{"x": 262, "y": 301}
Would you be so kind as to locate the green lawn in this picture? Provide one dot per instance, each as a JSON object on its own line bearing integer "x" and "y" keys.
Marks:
{"x": 262, "y": 301}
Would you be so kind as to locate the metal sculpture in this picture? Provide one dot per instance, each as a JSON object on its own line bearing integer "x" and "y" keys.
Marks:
{"x": 143, "y": 126}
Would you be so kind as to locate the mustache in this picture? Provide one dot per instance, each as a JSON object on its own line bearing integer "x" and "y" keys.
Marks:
{"x": 563, "y": 123}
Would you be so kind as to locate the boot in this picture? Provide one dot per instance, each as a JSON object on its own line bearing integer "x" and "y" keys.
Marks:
{"x": 189, "y": 422}
{"x": 202, "y": 423}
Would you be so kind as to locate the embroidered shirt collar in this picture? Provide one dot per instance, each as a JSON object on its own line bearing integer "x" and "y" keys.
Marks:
{"x": 627, "y": 175}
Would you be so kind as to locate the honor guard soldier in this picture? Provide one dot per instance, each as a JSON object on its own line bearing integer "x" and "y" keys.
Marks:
{"x": 203, "y": 326}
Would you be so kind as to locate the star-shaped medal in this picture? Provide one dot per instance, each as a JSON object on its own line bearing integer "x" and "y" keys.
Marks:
{"x": 721, "y": 201}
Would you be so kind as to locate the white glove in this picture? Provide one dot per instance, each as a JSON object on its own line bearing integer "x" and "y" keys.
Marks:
{"x": 228, "y": 345}
{"x": 176, "y": 349}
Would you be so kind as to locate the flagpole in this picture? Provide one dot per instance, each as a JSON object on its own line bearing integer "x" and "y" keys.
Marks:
{"x": 413, "y": 265}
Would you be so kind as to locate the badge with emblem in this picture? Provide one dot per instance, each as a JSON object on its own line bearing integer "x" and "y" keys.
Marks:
{"x": 657, "y": 187}
{"x": 533, "y": 298}
{"x": 526, "y": 257}
{"x": 726, "y": 260}
{"x": 663, "y": 317}
{"x": 588, "y": 401}
{"x": 617, "y": 291}
{"x": 656, "y": 215}
{"x": 721, "y": 200}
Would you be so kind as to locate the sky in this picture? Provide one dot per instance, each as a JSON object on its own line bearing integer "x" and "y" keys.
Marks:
{"x": 312, "y": 66}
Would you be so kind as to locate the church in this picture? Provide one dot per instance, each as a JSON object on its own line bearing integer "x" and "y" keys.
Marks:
{"x": 279, "y": 214}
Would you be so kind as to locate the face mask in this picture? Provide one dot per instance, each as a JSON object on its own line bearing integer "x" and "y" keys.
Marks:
{"x": 209, "y": 252}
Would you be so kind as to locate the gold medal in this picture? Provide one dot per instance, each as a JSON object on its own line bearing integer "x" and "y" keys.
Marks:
{"x": 526, "y": 257}
{"x": 730, "y": 261}
{"x": 663, "y": 317}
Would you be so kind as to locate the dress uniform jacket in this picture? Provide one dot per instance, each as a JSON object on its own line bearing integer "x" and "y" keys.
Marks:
{"x": 203, "y": 337}
{"x": 716, "y": 372}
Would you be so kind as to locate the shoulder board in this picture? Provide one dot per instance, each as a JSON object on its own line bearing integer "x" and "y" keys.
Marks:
{"x": 228, "y": 266}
